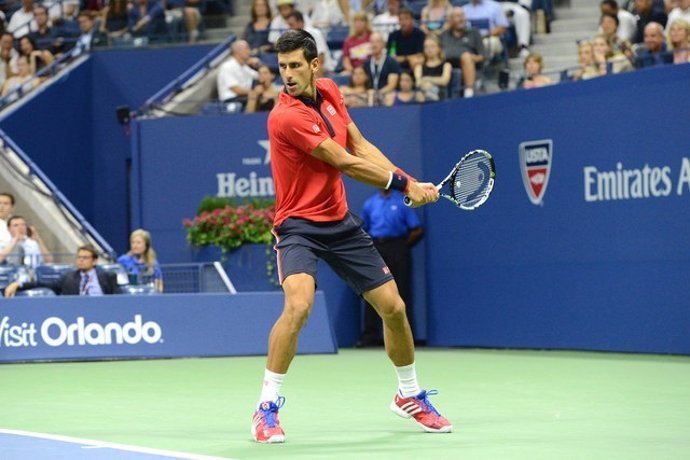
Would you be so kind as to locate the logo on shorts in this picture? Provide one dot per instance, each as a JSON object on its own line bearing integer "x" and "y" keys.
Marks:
{"x": 535, "y": 166}
{"x": 316, "y": 128}
{"x": 386, "y": 270}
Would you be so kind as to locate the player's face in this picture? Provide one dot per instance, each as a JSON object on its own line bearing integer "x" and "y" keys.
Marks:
{"x": 297, "y": 73}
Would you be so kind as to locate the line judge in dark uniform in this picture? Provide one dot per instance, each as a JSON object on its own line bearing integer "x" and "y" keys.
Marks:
{"x": 85, "y": 280}
{"x": 395, "y": 228}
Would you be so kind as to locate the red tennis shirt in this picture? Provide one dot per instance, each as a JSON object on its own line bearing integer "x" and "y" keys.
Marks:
{"x": 307, "y": 187}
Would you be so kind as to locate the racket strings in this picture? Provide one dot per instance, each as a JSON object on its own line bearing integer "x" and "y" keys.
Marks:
{"x": 471, "y": 182}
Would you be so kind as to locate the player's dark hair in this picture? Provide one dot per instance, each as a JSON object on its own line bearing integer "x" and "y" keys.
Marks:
{"x": 295, "y": 39}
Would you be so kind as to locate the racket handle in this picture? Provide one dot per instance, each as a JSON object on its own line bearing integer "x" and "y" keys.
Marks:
{"x": 408, "y": 201}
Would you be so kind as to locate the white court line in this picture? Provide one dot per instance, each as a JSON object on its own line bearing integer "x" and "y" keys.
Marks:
{"x": 90, "y": 443}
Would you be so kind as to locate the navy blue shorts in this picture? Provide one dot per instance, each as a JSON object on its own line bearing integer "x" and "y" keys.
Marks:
{"x": 343, "y": 245}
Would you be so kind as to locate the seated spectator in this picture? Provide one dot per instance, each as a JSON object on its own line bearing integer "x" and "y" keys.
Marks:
{"x": 406, "y": 92}
{"x": 608, "y": 25}
{"x": 26, "y": 247}
{"x": 8, "y": 57}
{"x": 518, "y": 13}
{"x": 654, "y": 50}
{"x": 235, "y": 77}
{"x": 279, "y": 22}
{"x": 681, "y": 11}
{"x": 588, "y": 67}
{"x": 264, "y": 95}
{"x": 534, "y": 65}
{"x": 6, "y": 210}
{"x": 625, "y": 20}
{"x": 140, "y": 262}
{"x": 295, "y": 20}
{"x": 382, "y": 69}
{"x": 45, "y": 36}
{"x": 326, "y": 14}
{"x": 646, "y": 13}
{"x": 679, "y": 40}
{"x": 147, "y": 20}
{"x": 434, "y": 16}
{"x": 38, "y": 59}
{"x": 22, "y": 21}
{"x": 464, "y": 48}
{"x": 24, "y": 79}
{"x": 387, "y": 22}
{"x": 256, "y": 31}
{"x": 114, "y": 19}
{"x": 434, "y": 74}
{"x": 406, "y": 44}
{"x": 185, "y": 11}
{"x": 86, "y": 280}
{"x": 90, "y": 37}
{"x": 606, "y": 59}
{"x": 491, "y": 10}
{"x": 356, "y": 48}
{"x": 359, "y": 92}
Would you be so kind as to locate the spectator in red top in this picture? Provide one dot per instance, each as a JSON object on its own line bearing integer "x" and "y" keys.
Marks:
{"x": 356, "y": 48}
{"x": 309, "y": 130}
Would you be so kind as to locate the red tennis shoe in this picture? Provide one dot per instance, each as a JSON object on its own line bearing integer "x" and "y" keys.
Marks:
{"x": 265, "y": 425}
{"x": 422, "y": 410}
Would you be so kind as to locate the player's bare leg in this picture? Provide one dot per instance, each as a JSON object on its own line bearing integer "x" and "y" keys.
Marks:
{"x": 410, "y": 400}
{"x": 397, "y": 333}
{"x": 282, "y": 345}
{"x": 282, "y": 342}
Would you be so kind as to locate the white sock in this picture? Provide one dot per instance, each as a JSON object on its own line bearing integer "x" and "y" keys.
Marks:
{"x": 271, "y": 387}
{"x": 407, "y": 380}
{"x": 468, "y": 92}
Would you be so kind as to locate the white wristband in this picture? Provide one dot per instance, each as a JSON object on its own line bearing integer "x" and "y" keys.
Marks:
{"x": 390, "y": 180}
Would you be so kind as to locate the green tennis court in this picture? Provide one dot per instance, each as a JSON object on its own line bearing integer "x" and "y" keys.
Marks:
{"x": 503, "y": 404}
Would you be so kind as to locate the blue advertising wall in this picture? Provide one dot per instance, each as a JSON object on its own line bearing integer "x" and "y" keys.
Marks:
{"x": 586, "y": 267}
{"x": 578, "y": 269}
{"x": 156, "y": 326}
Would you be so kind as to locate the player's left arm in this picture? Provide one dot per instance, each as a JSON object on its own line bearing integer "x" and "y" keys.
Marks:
{"x": 360, "y": 147}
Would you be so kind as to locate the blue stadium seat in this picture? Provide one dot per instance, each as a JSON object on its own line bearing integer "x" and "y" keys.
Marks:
{"x": 8, "y": 273}
{"x": 48, "y": 273}
{"x": 336, "y": 37}
{"x": 270, "y": 59}
{"x": 416, "y": 7}
{"x": 36, "y": 292}
{"x": 341, "y": 80}
{"x": 137, "y": 290}
{"x": 119, "y": 270}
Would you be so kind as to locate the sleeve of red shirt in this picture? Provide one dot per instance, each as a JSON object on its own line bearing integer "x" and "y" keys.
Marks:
{"x": 302, "y": 130}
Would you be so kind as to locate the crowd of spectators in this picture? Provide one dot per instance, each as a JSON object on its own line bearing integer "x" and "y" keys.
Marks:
{"x": 446, "y": 47}
{"x": 23, "y": 250}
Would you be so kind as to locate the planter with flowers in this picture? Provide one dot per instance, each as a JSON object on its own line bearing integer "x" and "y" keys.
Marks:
{"x": 239, "y": 235}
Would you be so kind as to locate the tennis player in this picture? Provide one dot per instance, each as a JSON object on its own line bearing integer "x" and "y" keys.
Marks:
{"x": 309, "y": 130}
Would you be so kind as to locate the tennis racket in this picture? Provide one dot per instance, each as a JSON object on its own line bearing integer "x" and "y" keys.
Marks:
{"x": 469, "y": 183}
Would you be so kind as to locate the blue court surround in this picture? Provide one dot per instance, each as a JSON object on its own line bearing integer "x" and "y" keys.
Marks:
{"x": 18, "y": 445}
